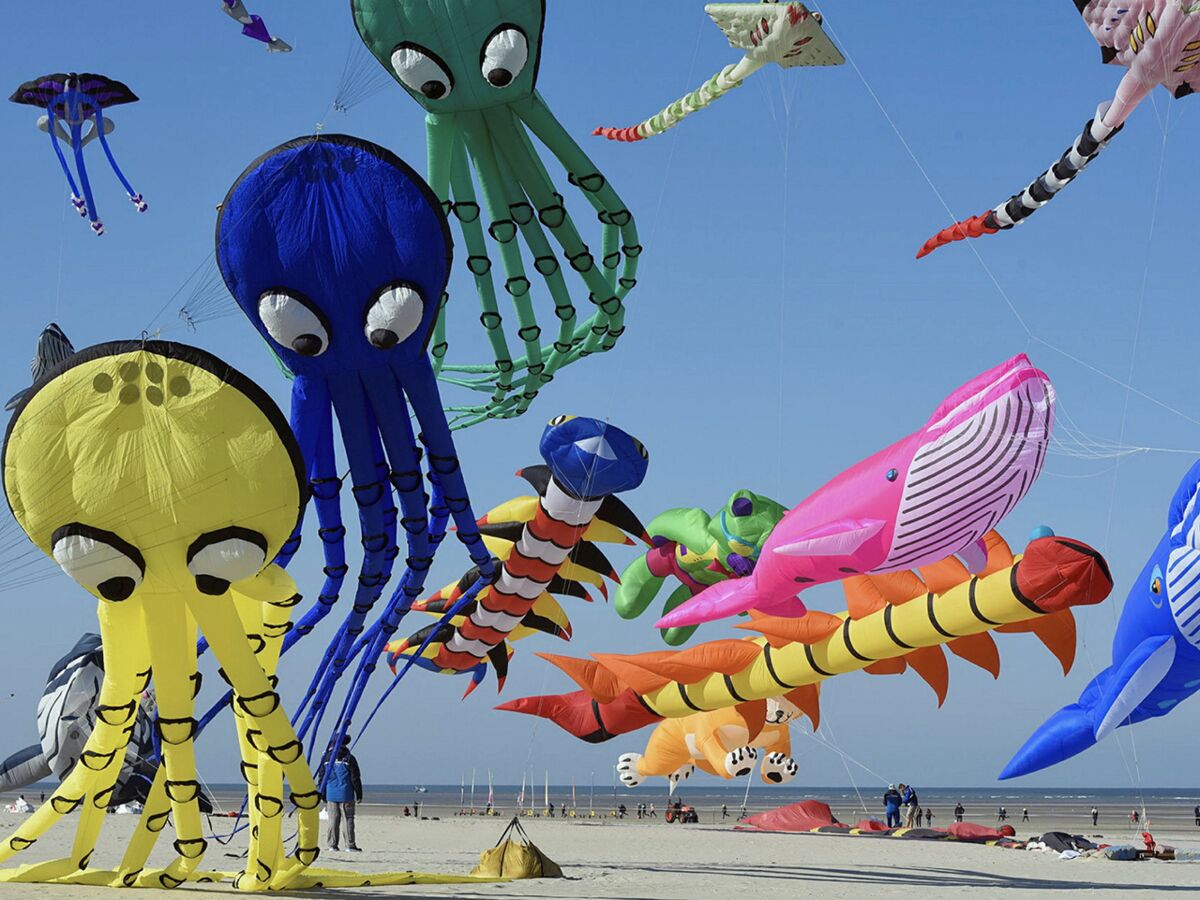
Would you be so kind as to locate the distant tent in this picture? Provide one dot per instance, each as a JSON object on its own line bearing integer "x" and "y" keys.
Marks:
{"x": 516, "y": 856}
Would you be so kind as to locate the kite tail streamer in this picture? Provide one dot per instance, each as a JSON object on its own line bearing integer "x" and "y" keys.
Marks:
{"x": 1016, "y": 209}
{"x": 712, "y": 90}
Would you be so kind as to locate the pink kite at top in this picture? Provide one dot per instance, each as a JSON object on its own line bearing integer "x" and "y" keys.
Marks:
{"x": 932, "y": 495}
{"x": 1158, "y": 41}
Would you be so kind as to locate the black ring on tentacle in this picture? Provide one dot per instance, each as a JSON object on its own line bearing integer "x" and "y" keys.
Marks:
{"x": 458, "y": 505}
{"x": 193, "y": 791}
{"x": 593, "y": 183}
{"x": 529, "y": 333}
{"x": 197, "y": 679}
{"x": 332, "y": 535}
{"x": 521, "y": 212}
{"x": 546, "y": 265}
{"x": 169, "y": 881}
{"x": 582, "y": 262}
{"x": 145, "y": 676}
{"x": 627, "y": 283}
{"x": 504, "y": 366}
{"x": 415, "y": 525}
{"x": 20, "y": 843}
{"x": 611, "y": 306}
{"x": 392, "y": 552}
{"x": 553, "y": 216}
{"x": 86, "y": 860}
{"x": 373, "y": 543}
{"x": 561, "y": 347}
{"x": 100, "y": 801}
{"x": 443, "y": 465}
{"x": 288, "y": 753}
{"x": 479, "y": 266}
{"x": 257, "y": 643}
{"x": 633, "y": 251}
{"x": 129, "y": 878}
{"x": 245, "y": 768}
{"x": 104, "y": 759}
{"x": 127, "y": 710}
{"x": 318, "y": 484}
{"x": 162, "y": 723}
{"x": 291, "y": 601}
{"x": 503, "y": 231}
{"x": 617, "y": 332}
{"x": 618, "y": 217}
{"x": 271, "y": 698}
{"x": 490, "y": 320}
{"x": 157, "y": 822}
{"x": 264, "y": 872}
{"x": 181, "y": 844}
{"x": 466, "y": 211}
{"x": 278, "y": 631}
{"x": 336, "y": 571}
{"x": 439, "y": 350}
{"x": 224, "y": 677}
{"x": 405, "y": 482}
{"x": 612, "y": 260}
{"x": 65, "y": 805}
{"x": 307, "y": 855}
{"x": 307, "y": 800}
{"x": 269, "y": 806}
{"x": 517, "y": 286}
{"x": 537, "y": 368}
{"x": 367, "y": 495}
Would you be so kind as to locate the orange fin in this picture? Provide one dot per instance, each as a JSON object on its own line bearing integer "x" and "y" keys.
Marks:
{"x": 863, "y": 597}
{"x": 597, "y": 681}
{"x": 896, "y": 666}
{"x": 944, "y": 575}
{"x": 754, "y": 714}
{"x": 930, "y": 664}
{"x": 979, "y": 650}
{"x": 999, "y": 554}
{"x": 653, "y": 670}
{"x": 808, "y": 698}
{"x": 1056, "y": 631}
{"x": 810, "y": 628}
{"x": 898, "y": 587}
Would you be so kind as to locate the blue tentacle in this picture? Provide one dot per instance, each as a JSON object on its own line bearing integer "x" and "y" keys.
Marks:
{"x": 81, "y": 168}
{"x": 134, "y": 197}
{"x": 52, "y": 126}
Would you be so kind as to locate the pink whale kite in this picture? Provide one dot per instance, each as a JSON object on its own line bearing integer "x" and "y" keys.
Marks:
{"x": 1158, "y": 41}
{"x": 932, "y": 495}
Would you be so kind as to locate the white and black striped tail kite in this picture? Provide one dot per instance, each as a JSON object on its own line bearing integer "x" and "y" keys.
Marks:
{"x": 1019, "y": 207}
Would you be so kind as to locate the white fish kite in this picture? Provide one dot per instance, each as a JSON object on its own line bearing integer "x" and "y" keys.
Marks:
{"x": 786, "y": 34}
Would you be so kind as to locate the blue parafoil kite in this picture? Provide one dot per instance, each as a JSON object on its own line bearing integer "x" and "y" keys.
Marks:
{"x": 339, "y": 254}
{"x": 75, "y": 107}
{"x": 1155, "y": 652}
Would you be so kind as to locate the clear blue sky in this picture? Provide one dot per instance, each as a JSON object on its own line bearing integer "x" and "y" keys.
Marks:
{"x": 780, "y": 332}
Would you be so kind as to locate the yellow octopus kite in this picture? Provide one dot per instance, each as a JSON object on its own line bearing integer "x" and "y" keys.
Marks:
{"x": 164, "y": 482}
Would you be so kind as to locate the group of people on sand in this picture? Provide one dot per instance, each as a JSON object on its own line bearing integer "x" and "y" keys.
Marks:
{"x": 904, "y": 797}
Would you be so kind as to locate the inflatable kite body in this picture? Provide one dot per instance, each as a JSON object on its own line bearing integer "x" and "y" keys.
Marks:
{"x": 66, "y": 717}
{"x": 75, "y": 106}
{"x": 893, "y": 622}
{"x": 1155, "y": 652}
{"x": 697, "y": 550}
{"x": 588, "y": 462}
{"x": 921, "y": 500}
{"x": 785, "y": 34}
{"x": 1158, "y": 42}
{"x": 253, "y": 26}
{"x": 339, "y": 253}
{"x": 474, "y": 67}
{"x": 725, "y": 742}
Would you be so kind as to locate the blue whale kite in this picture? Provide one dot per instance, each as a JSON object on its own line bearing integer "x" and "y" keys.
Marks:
{"x": 1156, "y": 650}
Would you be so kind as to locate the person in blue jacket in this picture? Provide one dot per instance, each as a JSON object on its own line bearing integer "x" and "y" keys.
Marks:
{"x": 343, "y": 788}
{"x": 891, "y": 805}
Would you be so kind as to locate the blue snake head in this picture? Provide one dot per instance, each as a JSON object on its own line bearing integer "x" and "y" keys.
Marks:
{"x": 338, "y": 252}
{"x": 591, "y": 458}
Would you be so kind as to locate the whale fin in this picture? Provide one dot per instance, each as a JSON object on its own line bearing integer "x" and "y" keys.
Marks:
{"x": 724, "y": 599}
{"x": 1066, "y": 733}
{"x": 1132, "y": 682}
{"x": 838, "y": 538}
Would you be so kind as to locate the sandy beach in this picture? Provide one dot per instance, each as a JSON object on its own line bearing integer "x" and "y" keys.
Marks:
{"x": 606, "y": 858}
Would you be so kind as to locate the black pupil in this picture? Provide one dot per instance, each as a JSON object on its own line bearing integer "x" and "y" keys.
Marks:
{"x": 500, "y": 77}
{"x": 116, "y": 589}
{"x": 892, "y": 474}
{"x": 383, "y": 339}
{"x": 434, "y": 89}
{"x": 211, "y": 585}
{"x": 307, "y": 345}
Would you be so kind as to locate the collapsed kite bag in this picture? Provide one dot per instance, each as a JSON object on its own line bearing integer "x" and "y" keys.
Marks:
{"x": 516, "y": 856}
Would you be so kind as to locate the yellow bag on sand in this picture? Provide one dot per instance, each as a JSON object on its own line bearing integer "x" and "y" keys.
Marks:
{"x": 515, "y": 857}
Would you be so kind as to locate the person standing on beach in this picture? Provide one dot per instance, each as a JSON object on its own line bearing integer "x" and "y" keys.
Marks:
{"x": 928, "y": 817}
{"x": 1025, "y": 814}
{"x": 343, "y": 788}
{"x": 653, "y": 812}
{"x": 912, "y": 806}
{"x": 959, "y": 812}
{"x": 724, "y": 811}
{"x": 1095, "y": 817}
{"x": 1197, "y": 811}
{"x": 1001, "y": 814}
{"x": 891, "y": 805}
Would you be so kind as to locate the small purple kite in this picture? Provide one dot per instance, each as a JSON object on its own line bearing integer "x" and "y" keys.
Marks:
{"x": 254, "y": 27}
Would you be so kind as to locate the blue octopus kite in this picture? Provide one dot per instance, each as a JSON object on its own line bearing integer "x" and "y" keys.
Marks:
{"x": 75, "y": 107}
{"x": 339, "y": 254}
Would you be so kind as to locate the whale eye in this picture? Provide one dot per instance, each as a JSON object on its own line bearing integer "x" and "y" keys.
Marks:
{"x": 393, "y": 316}
{"x": 504, "y": 56}
{"x": 421, "y": 71}
{"x": 559, "y": 420}
{"x": 1156, "y": 582}
{"x": 100, "y": 561}
{"x": 641, "y": 449}
{"x": 892, "y": 475}
{"x": 219, "y": 558}
{"x": 293, "y": 323}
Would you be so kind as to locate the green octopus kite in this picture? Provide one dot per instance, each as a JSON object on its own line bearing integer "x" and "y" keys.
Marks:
{"x": 697, "y": 550}
{"x": 473, "y": 66}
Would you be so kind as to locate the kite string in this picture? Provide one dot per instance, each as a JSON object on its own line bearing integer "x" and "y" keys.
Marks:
{"x": 979, "y": 258}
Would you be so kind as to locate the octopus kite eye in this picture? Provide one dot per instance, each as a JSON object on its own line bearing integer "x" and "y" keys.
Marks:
{"x": 421, "y": 71}
{"x": 505, "y": 55}
{"x": 219, "y": 558}
{"x": 394, "y": 316}
{"x": 99, "y": 560}
{"x": 293, "y": 323}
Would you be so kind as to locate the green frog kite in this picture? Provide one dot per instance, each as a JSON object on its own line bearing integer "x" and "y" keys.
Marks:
{"x": 697, "y": 550}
